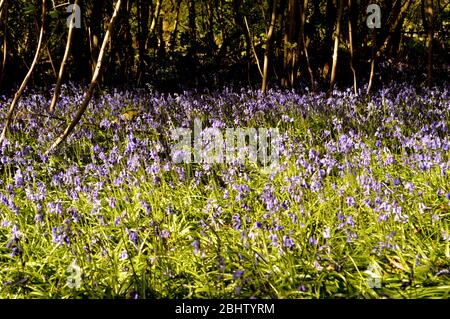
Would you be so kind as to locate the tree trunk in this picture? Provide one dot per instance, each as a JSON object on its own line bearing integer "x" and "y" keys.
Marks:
{"x": 155, "y": 16}
{"x": 152, "y": 41}
{"x": 350, "y": 40}
{"x": 4, "y": 17}
{"x": 92, "y": 86}
{"x": 253, "y": 48}
{"x": 210, "y": 32}
{"x": 124, "y": 43}
{"x": 303, "y": 11}
{"x": 97, "y": 18}
{"x": 81, "y": 56}
{"x": 63, "y": 63}
{"x": 397, "y": 36}
{"x": 161, "y": 42}
{"x": 192, "y": 28}
{"x": 291, "y": 45}
{"x": 26, "y": 79}
{"x": 241, "y": 22}
{"x": 143, "y": 14}
{"x": 336, "y": 44}
{"x": 273, "y": 10}
{"x": 429, "y": 12}
{"x": 173, "y": 36}
{"x": 324, "y": 51}
{"x": 372, "y": 60}
{"x": 387, "y": 42}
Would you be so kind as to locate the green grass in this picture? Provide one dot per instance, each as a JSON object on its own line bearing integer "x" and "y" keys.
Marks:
{"x": 157, "y": 266}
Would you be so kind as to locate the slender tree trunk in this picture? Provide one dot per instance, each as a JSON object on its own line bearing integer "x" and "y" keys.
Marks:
{"x": 26, "y": 79}
{"x": 253, "y": 47}
{"x": 81, "y": 56}
{"x": 265, "y": 81}
{"x": 143, "y": 13}
{"x": 192, "y": 27}
{"x": 4, "y": 17}
{"x": 336, "y": 44}
{"x": 124, "y": 46}
{"x": 277, "y": 61}
{"x": 387, "y": 42}
{"x": 210, "y": 33}
{"x": 173, "y": 36}
{"x": 95, "y": 31}
{"x": 397, "y": 36}
{"x": 161, "y": 42}
{"x": 63, "y": 63}
{"x": 304, "y": 10}
{"x": 350, "y": 40}
{"x": 330, "y": 20}
{"x": 152, "y": 41}
{"x": 291, "y": 46}
{"x": 51, "y": 61}
{"x": 242, "y": 23}
{"x": 155, "y": 17}
{"x": 430, "y": 41}
{"x": 372, "y": 60}
{"x": 93, "y": 84}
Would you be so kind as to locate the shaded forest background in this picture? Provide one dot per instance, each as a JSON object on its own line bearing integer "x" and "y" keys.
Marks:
{"x": 177, "y": 44}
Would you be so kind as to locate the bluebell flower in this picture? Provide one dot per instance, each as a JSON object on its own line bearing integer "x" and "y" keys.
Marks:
{"x": 238, "y": 274}
{"x": 133, "y": 237}
{"x": 326, "y": 233}
{"x": 237, "y": 222}
{"x": 123, "y": 255}
{"x": 288, "y": 242}
{"x": 196, "y": 244}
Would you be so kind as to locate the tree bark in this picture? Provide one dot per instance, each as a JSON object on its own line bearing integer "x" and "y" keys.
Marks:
{"x": 26, "y": 79}
{"x": 397, "y": 36}
{"x": 97, "y": 18}
{"x": 173, "y": 36}
{"x": 304, "y": 9}
{"x": 273, "y": 9}
{"x": 429, "y": 12}
{"x": 143, "y": 13}
{"x": 92, "y": 85}
{"x": 387, "y": 41}
{"x": 4, "y": 17}
{"x": 372, "y": 60}
{"x": 324, "y": 51}
{"x": 350, "y": 40}
{"x": 253, "y": 48}
{"x": 155, "y": 17}
{"x": 291, "y": 45}
{"x": 210, "y": 33}
{"x": 81, "y": 56}
{"x": 336, "y": 44}
{"x": 192, "y": 27}
{"x": 63, "y": 63}
{"x": 242, "y": 23}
